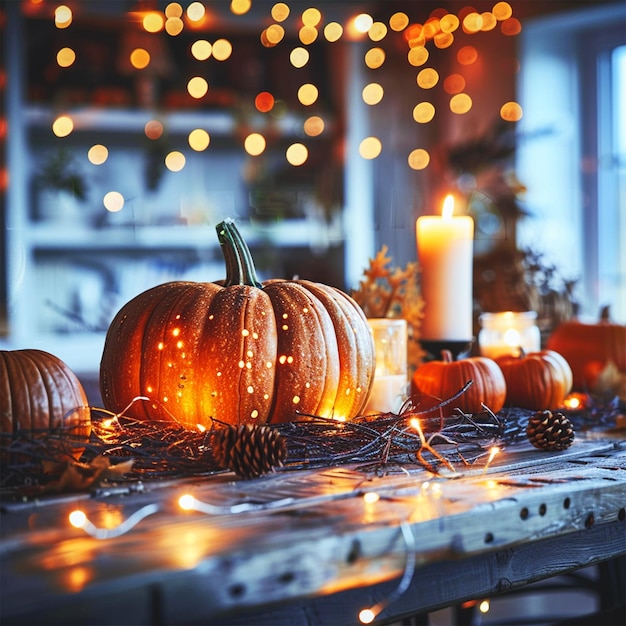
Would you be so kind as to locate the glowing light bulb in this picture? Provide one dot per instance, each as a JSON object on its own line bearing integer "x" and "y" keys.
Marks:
{"x": 186, "y": 502}
{"x": 77, "y": 519}
{"x": 371, "y": 497}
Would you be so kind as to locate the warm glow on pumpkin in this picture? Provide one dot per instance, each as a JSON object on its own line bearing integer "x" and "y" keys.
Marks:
{"x": 263, "y": 357}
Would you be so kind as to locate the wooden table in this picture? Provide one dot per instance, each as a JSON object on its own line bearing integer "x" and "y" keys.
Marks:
{"x": 308, "y": 546}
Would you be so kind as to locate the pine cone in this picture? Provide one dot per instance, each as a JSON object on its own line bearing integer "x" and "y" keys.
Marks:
{"x": 550, "y": 431}
{"x": 249, "y": 450}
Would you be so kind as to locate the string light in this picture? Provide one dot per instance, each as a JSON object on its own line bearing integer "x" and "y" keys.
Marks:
{"x": 492, "y": 453}
{"x": 79, "y": 519}
{"x": 368, "y": 615}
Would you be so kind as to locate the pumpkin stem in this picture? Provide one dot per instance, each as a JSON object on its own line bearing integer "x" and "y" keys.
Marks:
{"x": 446, "y": 356}
{"x": 240, "y": 268}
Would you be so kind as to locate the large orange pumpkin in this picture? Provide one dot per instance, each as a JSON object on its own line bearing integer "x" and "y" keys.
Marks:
{"x": 537, "y": 380}
{"x": 589, "y": 348}
{"x": 442, "y": 379}
{"x": 238, "y": 351}
{"x": 40, "y": 394}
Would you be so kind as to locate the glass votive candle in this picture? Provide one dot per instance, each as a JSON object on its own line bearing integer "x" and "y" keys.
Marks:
{"x": 390, "y": 379}
{"x": 508, "y": 333}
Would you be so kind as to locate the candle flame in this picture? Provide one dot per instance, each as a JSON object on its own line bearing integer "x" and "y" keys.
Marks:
{"x": 448, "y": 207}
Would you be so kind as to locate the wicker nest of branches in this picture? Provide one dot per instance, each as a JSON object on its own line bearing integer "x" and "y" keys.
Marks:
{"x": 124, "y": 451}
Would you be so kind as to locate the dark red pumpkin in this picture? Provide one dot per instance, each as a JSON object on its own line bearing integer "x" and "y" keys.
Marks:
{"x": 443, "y": 379}
{"x": 239, "y": 351}
{"x": 589, "y": 348}
{"x": 537, "y": 380}
{"x": 40, "y": 394}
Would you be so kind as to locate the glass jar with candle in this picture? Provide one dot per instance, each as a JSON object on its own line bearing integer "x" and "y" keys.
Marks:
{"x": 507, "y": 333}
{"x": 390, "y": 378}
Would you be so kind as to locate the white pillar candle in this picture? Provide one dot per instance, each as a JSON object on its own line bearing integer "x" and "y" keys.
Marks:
{"x": 445, "y": 253}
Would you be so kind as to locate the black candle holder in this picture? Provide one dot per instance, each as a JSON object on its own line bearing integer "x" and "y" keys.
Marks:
{"x": 459, "y": 349}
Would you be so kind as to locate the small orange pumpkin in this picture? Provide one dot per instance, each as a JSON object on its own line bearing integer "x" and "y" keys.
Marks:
{"x": 589, "y": 348}
{"x": 238, "y": 351}
{"x": 537, "y": 380}
{"x": 442, "y": 379}
{"x": 39, "y": 394}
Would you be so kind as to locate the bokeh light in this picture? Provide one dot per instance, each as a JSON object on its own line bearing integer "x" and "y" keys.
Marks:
{"x": 489, "y": 21}
{"x": 311, "y": 17}
{"x": 472, "y": 22}
{"x": 240, "y": 7}
{"x": 511, "y": 26}
{"x": 308, "y": 94}
{"x": 467, "y": 55}
{"x": 307, "y": 35}
{"x": 62, "y": 16}
{"x": 511, "y": 112}
{"x": 414, "y": 35}
{"x": 254, "y": 144}
{"x": 199, "y": 139}
{"x": 431, "y": 28}
{"x": 113, "y": 201}
{"x": 197, "y": 87}
{"x": 423, "y": 112}
{"x": 363, "y": 22}
{"x": 139, "y": 58}
{"x": 419, "y": 159}
{"x": 372, "y": 93}
{"x": 66, "y": 57}
{"x": 454, "y": 83}
{"x": 196, "y": 11}
{"x": 418, "y": 56}
{"x": 153, "y": 129}
{"x": 427, "y": 78}
{"x": 274, "y": 34}
{"x": 398, "y": 21}
{"x": 299, "y": 57}
{"x": 222, "y": 49}
{"x": 502, "y": 11}
{"x": 333, "y": 31}
{"x": 175, "y": 161}
{"x": 370, "y": 148}
{"x": 374, "y": 58}
{"x": 460, "y": 103}
{"x": 313, "y": 126}
{"x": 153, "y": 22}
{"x": 443, "y": 40}
{"x": 174, "y": 26}
{"x": 173, "y": 9}
{"x": 264, "y": 102}
{"x": 280, "y": 12}
{"x": 62, "y": 126}
{"x": 297, "y": 154}
{"x": 201, "y": 49}
{"x": 377, "y": 32}
{"x": 98, "y": 154}
{"x": 449, "y": 23}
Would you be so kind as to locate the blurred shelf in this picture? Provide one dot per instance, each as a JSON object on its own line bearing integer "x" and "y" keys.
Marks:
{"x": 67, "y": 237}
{"x": 222, "y": 123}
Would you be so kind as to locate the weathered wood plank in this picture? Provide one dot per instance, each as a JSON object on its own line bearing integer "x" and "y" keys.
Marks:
{"x": 324, "y": 538}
